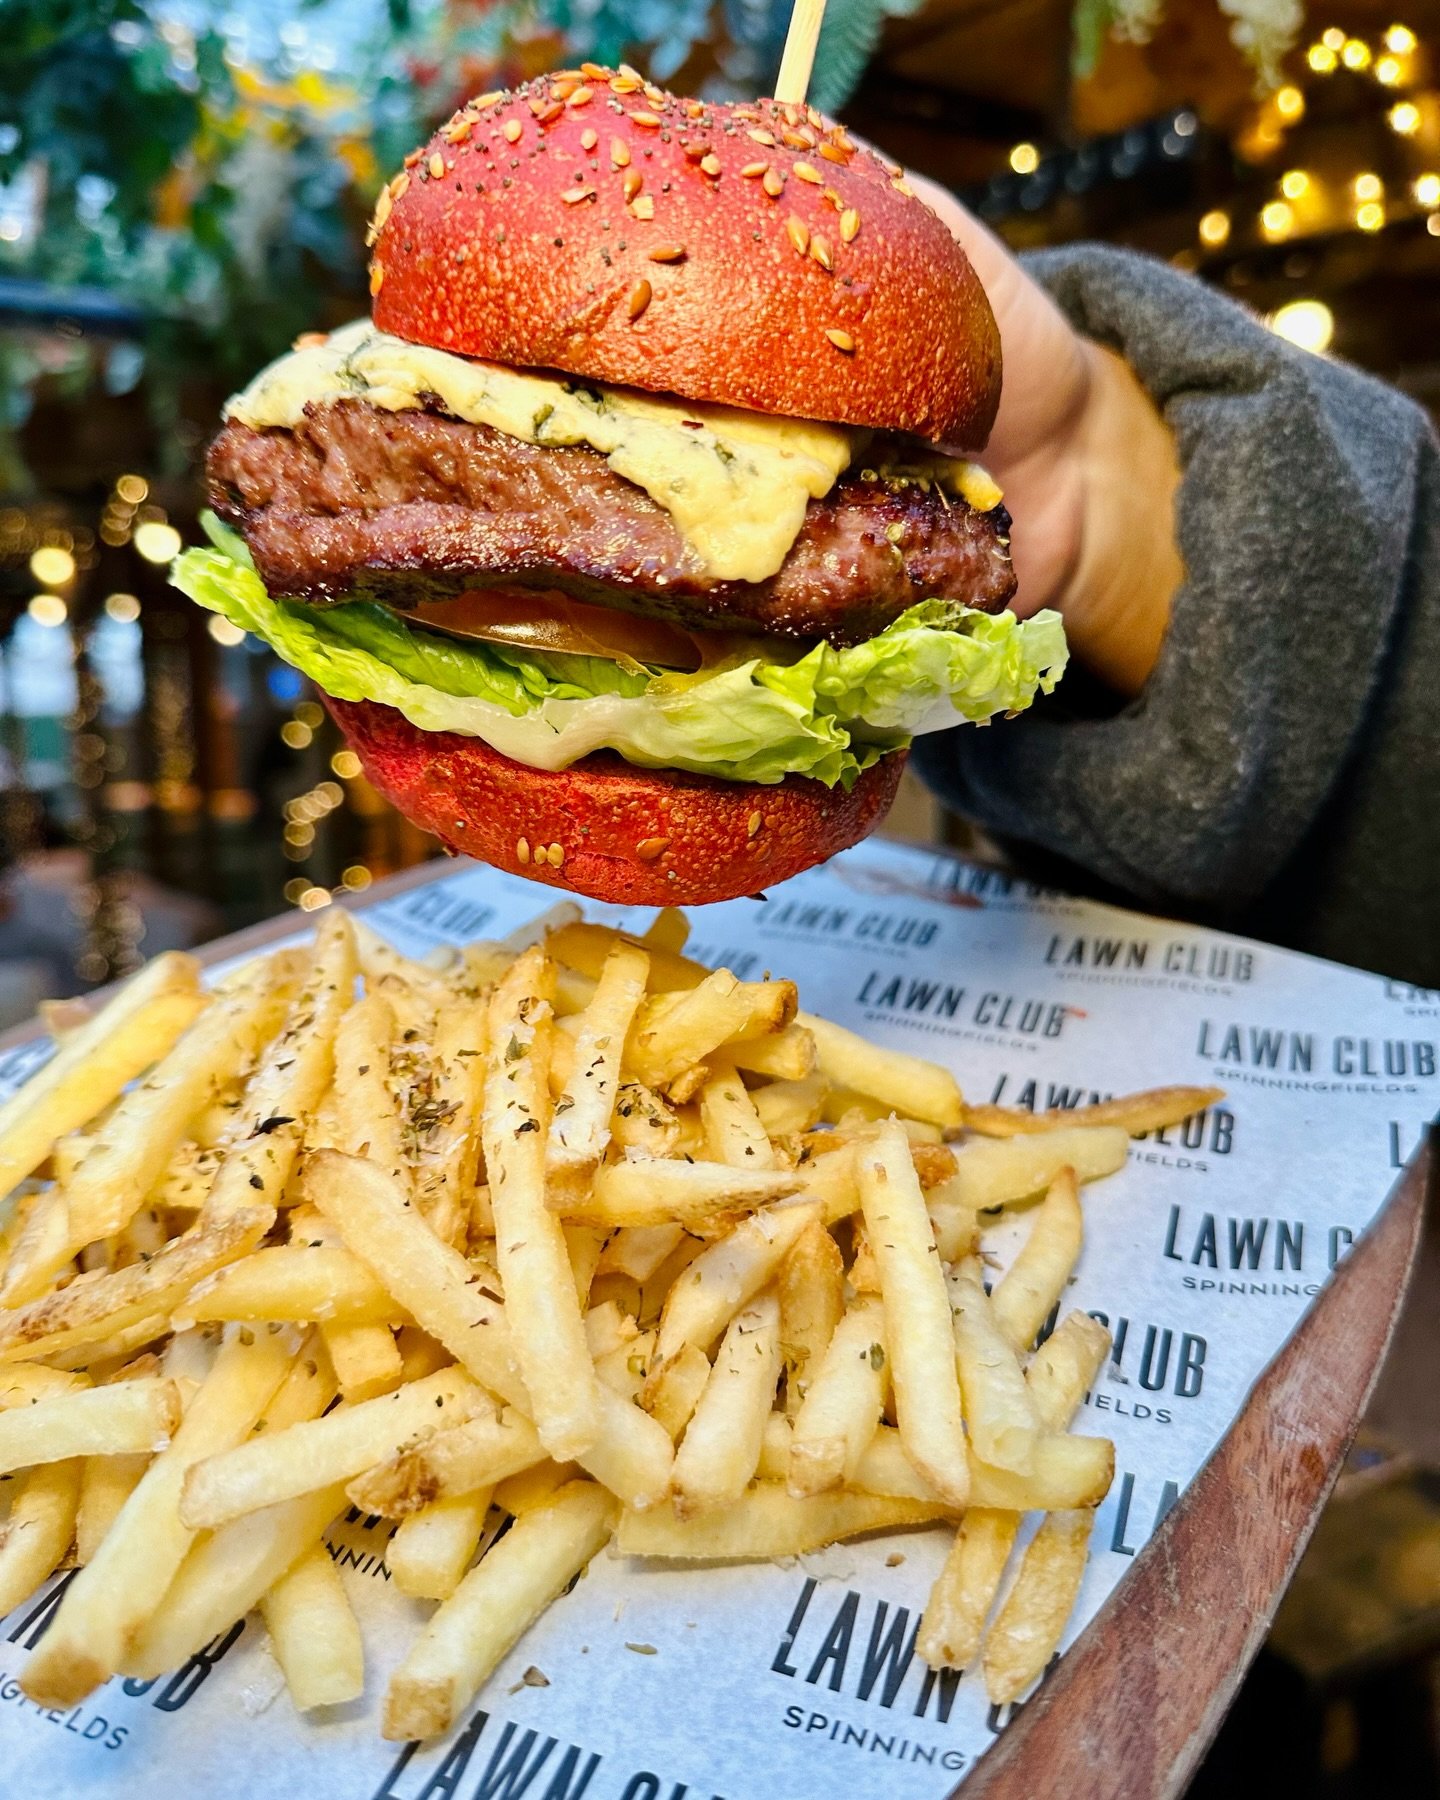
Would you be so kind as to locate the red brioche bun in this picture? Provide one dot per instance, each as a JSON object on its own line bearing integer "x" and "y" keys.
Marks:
{"x": 745, "y": 254}
{"x": 640, "y": 837}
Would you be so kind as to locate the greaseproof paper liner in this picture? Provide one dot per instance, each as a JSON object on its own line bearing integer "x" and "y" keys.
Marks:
{"x": 665, "y": 1682}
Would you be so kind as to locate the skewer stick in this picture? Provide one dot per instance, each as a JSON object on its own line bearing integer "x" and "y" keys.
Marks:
{"x": 800, "y": 41}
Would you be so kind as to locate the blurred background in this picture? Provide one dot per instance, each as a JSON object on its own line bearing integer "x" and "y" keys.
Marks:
{"x": 184, "y": 187}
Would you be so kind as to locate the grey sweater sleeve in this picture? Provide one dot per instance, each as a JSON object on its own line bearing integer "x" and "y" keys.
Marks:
{"x": 1280, "y": 772}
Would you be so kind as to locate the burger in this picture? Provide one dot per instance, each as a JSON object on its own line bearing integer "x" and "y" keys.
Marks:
{"x": 634, "y": 535}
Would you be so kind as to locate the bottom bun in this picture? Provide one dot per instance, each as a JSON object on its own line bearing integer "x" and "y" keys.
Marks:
{"x": 639, "y": 837}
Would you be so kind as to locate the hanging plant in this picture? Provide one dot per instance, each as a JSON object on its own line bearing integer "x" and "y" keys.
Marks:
{"x": 1264, "y": 31}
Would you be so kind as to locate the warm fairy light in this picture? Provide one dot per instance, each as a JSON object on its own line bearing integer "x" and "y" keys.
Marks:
{"x": 1355, "y": 55}
{"x": 48, "y": 609}
{"x": 1404, "y": 118}
{"x": 1308, "y": 323}
{"x": 1024, "y": 159}
{"x": 313, "y": 899}
{"x": 1290, "y": 104}
{"x": 357, "y": 876}
{"x": 1215, "y": 229}
{"x": 156, "y": 541}
{"x": 1333, "y": 38}
{"x": 1368, "y": 187}
{"x": 1400, "y": 39}
{"x": 52, "y": 565}
{"x": 1388, "y": 72}
{"x": 1371, "y": 216}
{"x": 309, "y": 713}
{"x": 1294, "y": 184}
{"x": 345, "y": 764}
{"x": 224, "y": 633}
{"x": 124, "y": 609}
{"x": 294, "y": 888}
{"x": 1432, "y": 224}
{"x": 132, "y": 489}
{"x": 1427, "y": 190}
{"x": 295, "y": 735}
{"x": 1321, "y": 59}
{"x": 1276, "y": 219}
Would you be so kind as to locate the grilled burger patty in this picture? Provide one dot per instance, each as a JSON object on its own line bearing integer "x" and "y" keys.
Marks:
{"x": 411, "y": 506}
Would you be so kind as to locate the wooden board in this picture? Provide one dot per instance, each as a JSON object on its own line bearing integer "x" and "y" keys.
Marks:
{"x": 1132, "y": 1707}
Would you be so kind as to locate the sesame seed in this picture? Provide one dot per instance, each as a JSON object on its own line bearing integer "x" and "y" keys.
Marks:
{"x": 594, "y": 72}
{"x": 631, "y": 73}
{"x": 457, "y": 131}
{"x": 413, "y": 158}
{"x": 512, "y": 129}
{"x": 377, "y": 276}
{"x": 710, "y": 165}
{"x": 557, "y": 855}
{"x": 656, "y": 96}
{"x": 589, "y": 139}
{"x": 763, "y": 137}
{"x": 436, "y": 166}
{"x": 522, "y": 850}
{"x": 399, "y": 185}
{"x": 486, "y": 101}
{"x": 382, "y": 208}
{"x": 774, "y": 183}
{"x": 820, "y": 250}
{"x": 849, "y": 224}
{"x": 651, "y": 848}
{"x": 753, "y": 824}
{"x": 619, "y": 153}
{"x": 842, "y": 340}
{"x": 799, "y": 233}
{"x": 581, "y": 97}
{"x": 805, "y": 171}
{"x": 795, "y": 141}
{"x": 753, "y": 169}
{"x": 639, "y": 298}
{"x": 833, "y": 153}
{"x": 644, "y": 207}
{"x": 632, "y": 184}
{"x": 573, "y": 196}
{"x": 902, "y": 186}
{"x": 648, "y": 119}
{"x": 563, "y": 87}
{"x": 545, "y": 113}
{"x": 668, "y": 253}
{"x": 624, "y": 84}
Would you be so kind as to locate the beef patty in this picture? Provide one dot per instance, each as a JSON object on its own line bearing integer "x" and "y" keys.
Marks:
{"x": 405, "y": 506}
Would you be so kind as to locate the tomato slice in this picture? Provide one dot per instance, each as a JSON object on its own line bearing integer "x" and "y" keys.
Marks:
{"x": 545, "y": 619}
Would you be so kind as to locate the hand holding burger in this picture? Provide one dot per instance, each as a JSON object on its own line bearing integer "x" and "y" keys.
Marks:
{"x": 633, "y": 540}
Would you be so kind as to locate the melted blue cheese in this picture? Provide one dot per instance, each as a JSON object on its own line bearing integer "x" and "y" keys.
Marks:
{"x": 735, "y": 483}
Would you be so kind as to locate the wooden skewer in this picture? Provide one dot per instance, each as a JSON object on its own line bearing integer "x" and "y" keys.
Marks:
{"x": 800, "y": 41}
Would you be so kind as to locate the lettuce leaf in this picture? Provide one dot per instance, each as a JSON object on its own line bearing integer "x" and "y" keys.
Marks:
{"x": 828, "y": 714}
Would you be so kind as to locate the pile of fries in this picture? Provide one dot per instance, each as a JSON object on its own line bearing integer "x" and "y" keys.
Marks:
{"x": 568, "y": 1242}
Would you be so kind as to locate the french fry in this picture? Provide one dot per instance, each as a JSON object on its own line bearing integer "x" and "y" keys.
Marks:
{"x": 522, "y": 1493}
{"x": 96, "y": 1308}
{"x": 842, "y": 1407}
{"x": 787, "y": 1055}
{"x": 583, "y": 1246}
{"x": 365, "y": 1360}
{"x": 786, "y": 1107}
{"x": 956, "y": 1225}
{"x": 547, "y": 1332}
{"x": 308, "y": 1281}
{"x": 431, "y": 1549}
{"x": 638, "y": 1250}
{"x": 501, "y": 1596}
{"x": 1064, "y": 1368}
{"x": 1136, "y": 1114}
{"x": 580, "y": 1124}
{"x": 97, "y": 1060}
{"x": 993, "y": 1172}
{"x": 644, "y": 1120}
{"x": 226, "y": 1572}
{"x": 442, "y": 1120}
{"x": 119, "y": 1420}
{"x": 1032, "y": 1618}
{"x": 766, "y": 1522}
{"x": 106, "y": 1484}
{"x": 1067, "y": 1471}
{"x": 282, "y": 1465}
{"x": 999, "y": 1414}
{"x": 953, "y": 1624}
{"x": 919, "y": 1332}
{"x": 41, "y": 1249}
{"x": 1032, "y": 1285}
{"x": 721, "y": 1447}
{"x": 476, "y": 1453}
{"x": 289, "y": 1081}
{"x": 124, "y": 1582}
{"x": 677, "y": 1389}
{"x": 727, "y": 1275}
{"x": 37, "y": 1531}
{"x": 584, "y": 948}
{"x": 668, "y": 1039}
{"x": 911, "y": 1085}
{"x": 643, "y": 1191}
{"x": 811, "y": 1286}
{"x": 314, "y": 1633}
{"x": 362, "y": 1113}
{"x": 733, "y": 1131}
{"x": 433, "y": 1283}
{"x": 22, "y": 1384}
{"x": 668, "y": 930}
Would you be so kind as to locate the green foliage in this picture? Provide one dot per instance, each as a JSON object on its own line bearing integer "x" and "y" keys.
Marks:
{"x": 848, "y": 37}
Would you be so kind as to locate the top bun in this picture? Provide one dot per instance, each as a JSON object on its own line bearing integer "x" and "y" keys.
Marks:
{"x": 750, "y": 255}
